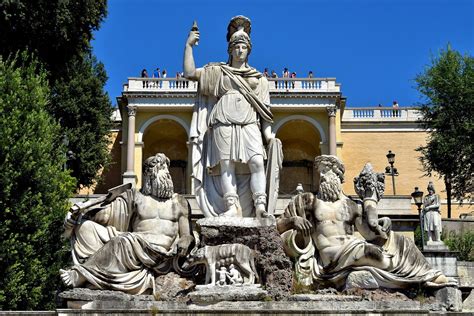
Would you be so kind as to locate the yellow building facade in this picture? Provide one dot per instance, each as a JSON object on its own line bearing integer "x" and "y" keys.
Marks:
{"x": 310, "y": 118}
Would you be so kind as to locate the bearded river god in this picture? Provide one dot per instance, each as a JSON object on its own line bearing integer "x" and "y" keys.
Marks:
{"x": 318, "y": 231}
{"x": 231, "y": 113}
{"x": 124, "y": 244}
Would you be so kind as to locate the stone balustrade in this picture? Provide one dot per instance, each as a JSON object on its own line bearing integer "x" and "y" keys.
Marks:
{"x": 160, "y": 84}
{"x": 276, "y": 85}
{"x": 380, "y": 114}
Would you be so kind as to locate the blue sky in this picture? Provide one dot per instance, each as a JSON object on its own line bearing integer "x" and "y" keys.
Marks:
{"x": 374, "y": 48}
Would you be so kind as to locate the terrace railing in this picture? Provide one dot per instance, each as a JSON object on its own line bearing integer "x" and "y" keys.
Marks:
{"x": 380, "y": 114}
{"x": 275, "y": 85}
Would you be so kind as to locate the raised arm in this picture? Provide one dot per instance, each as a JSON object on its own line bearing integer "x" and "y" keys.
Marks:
{"x": 186, "y": 238}
{"x": 374, "y": 231}
{"x": 189, "y": 68}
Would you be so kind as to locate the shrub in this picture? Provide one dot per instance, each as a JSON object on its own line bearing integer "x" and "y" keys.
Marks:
{"x": 463, "y": 243}
{"x": 34, "y": 189}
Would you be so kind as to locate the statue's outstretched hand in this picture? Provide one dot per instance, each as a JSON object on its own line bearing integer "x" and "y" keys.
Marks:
{"x": 184, "y": 244}
{"x": 302, "y": 225}
{"x": 193, "y": 38}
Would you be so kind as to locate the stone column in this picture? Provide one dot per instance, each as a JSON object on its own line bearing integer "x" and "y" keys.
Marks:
{"x": 332, "y": 129}
{"x": 129, "y": 175}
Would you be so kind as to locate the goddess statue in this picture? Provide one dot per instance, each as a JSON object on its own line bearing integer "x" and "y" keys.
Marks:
{"x": 231, "y": 113}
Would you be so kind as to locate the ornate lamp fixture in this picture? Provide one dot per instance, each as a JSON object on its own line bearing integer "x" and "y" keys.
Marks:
{"x": 418, "y": 198}
{"x": 391, "y": 170}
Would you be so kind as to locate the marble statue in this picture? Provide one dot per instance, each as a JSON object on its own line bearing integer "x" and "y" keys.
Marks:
{"x": 234, "y": 276}
{"x": 231, "y": 113}
{"x": 222, "y": 276}
{"x": 124, "y": 243}
{"x": 218, "y": 257}
{"x": 432, "y": 215}
{"x": 370, "y": 186}
{"x": 318, "y": 231}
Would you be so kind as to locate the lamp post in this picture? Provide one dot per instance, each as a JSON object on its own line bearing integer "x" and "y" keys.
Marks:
{"x": 393, "y": 171}
{"x": 418, "y": 198}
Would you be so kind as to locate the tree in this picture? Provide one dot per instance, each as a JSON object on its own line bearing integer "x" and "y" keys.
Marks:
{"x": 84, "y": 111}
{"x": 59, "y": 33}
{"x": 56, "y": 30}
{"x": 448, "y": 116}
{"x": 34, "y": 189}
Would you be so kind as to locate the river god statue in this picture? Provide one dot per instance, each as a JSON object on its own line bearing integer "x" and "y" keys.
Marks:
{"x": 123, "y": 243}
{"x": 318, "y": 231}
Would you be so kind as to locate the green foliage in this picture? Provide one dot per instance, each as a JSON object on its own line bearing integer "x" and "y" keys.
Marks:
{"x": 34, "y": 189}
{"x": 59, "y": 32}
{"x": 56, "y": 30}
{"x": 448, "y": 115}
{"x": 417, "y": 237}
{"x": 464, "y": 243}
{"x": 84, "y": 112}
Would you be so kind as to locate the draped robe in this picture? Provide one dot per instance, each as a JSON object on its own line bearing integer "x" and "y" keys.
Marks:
{"x": 116, "y": 258}
{"x": 408, "y": 266}
{"x": 226, "y": 124}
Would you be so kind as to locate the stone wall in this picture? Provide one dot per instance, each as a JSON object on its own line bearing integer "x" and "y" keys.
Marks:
{"x": 459, "y": 226}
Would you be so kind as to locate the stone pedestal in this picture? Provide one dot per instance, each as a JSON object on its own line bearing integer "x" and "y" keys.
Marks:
{"x": 450, "y": 299}
{"x": 443, "y": 260}
{"x": 359, "y": 302}
{"x": 436, "y": 246}
{"x": 211, "y": 294}
{"x": 273, "y": 266}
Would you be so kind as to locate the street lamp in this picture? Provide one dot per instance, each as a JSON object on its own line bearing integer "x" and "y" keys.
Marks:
{"x": 391, "y": 170}
{"x": 418, "y": 198}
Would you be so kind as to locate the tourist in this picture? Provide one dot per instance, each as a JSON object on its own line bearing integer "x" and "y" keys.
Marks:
{"x": 178, "y": 80}
{"x": 265, "y": 73}
{"x": 275, "y": 76}
{"x": 293, "y": 76}
{"x": 310, "y": 81}
{"x": 144, "y": 74}
{"x": 156, "y": 75}
{"x": 286, "y": 74}
{"x": 396, "y": 111}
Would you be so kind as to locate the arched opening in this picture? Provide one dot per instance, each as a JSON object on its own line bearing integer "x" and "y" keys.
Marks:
{"x": 169, "y": 137}
{"x": 300, "y": 140}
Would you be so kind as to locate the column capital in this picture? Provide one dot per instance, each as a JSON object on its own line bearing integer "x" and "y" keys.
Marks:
{"x": 331, "y": 111}
{"x": 132, "y": 110}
